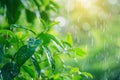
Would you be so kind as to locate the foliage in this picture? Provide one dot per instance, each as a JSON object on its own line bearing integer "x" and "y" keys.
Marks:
{"x": 27, "y": 53}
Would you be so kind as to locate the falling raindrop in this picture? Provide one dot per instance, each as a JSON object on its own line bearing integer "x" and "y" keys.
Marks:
{"x": 37, "y": 14}
{"x": 92, "y": 42}
{"x": 89, "y": 34}
{"x": 1, "y": 78}
{"x": 72, "y": 75}
{"x": 42, "y": 71}
{"x": 12, "y": 46}
{"x": 78, "y": 40}
{"x": 75, "y": 59}
{"x": 65, "y": 49}
{"x": 37, "y": 49}
{"x": 6, "y": 47}
{"x": 62, "y": 60}
{"x": 64, "y": 66}
{"x": 105, "y": 77}
{"x": 78, "y": 19}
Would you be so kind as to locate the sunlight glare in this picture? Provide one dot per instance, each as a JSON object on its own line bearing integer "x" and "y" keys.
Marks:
{"x": 87, "y": 3}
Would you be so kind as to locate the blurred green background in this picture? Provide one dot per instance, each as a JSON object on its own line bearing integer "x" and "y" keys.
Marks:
{"x": 95, "y": 27}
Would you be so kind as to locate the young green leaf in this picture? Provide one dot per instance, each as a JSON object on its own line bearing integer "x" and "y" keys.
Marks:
{"x": 79, "y": 52}
{"x": 53, "y": 23}
{"x": 69, "y": 39}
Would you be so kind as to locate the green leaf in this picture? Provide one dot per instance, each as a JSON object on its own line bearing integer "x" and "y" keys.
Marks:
{"x": 47, "y": 26}
{"x": 74, "y": 70}
{"x": 69, "y": 39}
{"x": 36, "y": 65}
{"x": 13, "y": 10}
{"x": 28, "y": 70}
{"x": 79, "y": 52}
{"x": 44, "y": 24}
{"x": 66, "y": 44}
{"x": 88, "y": 75}
{"x": 54, "y": 6}
{"x": 77, "y": 77}
{"x": 1, "y": 52}
{"x": 3, "y": 40}
{"x": 19, "y": 26}
{"x": 30, "y": 16}
{"x": 45, "y": 2}
{"x": 50, "y": 57}
{"x": 44, "y": 37}
{"x": 7, "y": 36}
{"x": 26, "y": 51}
{"x": 55, "y": 40}
{"x": 52, "y": 24}
{"x": 47, "y": 38}
{"x": 9, "y": 71}
{"x": 45, "y": 16}
{"x": 22, "y": 55}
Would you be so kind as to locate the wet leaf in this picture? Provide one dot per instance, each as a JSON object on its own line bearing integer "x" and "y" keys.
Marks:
{"x": 50, "y": 57}
{"x": 9, "y": 71}
{"x": 1, "y": 52}
{"x": 47, "y": 38}
{"x": 55, "y": 40}
{"x": 22, "y": 27}
{"x": 36, "y": 65}
{"x": 26, "y": 51}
